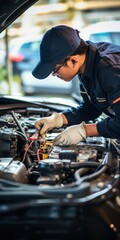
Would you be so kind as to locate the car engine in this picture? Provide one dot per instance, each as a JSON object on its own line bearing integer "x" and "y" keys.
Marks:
{"x": 56, "y": 192}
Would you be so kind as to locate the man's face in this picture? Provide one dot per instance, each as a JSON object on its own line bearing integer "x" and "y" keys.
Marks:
{"x": 68, "y": 69}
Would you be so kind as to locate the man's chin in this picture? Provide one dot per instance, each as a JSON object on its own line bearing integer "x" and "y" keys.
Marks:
{"x": 64, "y": 79}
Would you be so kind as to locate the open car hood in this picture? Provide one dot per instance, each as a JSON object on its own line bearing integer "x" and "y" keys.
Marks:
{"x": 12, "y": 9}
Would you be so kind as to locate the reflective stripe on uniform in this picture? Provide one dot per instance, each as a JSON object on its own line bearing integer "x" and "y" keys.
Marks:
{"x": 116, "y": 100}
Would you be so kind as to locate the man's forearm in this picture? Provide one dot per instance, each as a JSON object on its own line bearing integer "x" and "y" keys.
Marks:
{"x": 91, "y": 130}
{"x": 65, "y": 121}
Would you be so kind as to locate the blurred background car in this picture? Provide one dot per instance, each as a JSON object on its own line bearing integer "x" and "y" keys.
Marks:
{"x": 105, "y": 31}
{"x": 24, "y": 55}
{"x": 51, "y": 84}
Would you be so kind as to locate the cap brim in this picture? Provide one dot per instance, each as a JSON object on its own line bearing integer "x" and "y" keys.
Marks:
{"x": 43, "y": 70}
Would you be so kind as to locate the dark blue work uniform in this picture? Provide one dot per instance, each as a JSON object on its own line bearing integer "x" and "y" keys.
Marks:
{"x": 100, "y": 89}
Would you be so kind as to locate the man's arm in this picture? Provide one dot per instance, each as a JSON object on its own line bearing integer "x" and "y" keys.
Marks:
{"x": 91, "y": 130}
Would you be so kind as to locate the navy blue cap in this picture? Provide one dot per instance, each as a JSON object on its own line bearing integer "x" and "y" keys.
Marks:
{"x": 57, "y": 43}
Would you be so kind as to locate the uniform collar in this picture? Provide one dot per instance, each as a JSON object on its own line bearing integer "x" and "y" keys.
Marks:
{"x": 89, "y": 68}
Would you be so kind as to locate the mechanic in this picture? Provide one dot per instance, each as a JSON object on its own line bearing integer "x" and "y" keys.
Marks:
{"x": 64, "y": 54}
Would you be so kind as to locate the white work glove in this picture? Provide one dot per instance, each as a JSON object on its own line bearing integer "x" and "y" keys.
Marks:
{"x": 43, "y": 125}
{"x": 71, "y": 136}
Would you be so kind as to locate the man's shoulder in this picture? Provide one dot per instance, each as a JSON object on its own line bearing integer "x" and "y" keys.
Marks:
{"x": 104, "y": 47}
{"x": 109, "y": 54}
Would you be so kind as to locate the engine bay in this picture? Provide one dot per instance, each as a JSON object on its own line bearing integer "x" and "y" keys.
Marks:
{"x": 28, "y": 159}
{"x": 25, "y": 158}
{"x": 64, "y": 184}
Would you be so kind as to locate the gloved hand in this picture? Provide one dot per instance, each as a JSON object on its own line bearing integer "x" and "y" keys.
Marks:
{"x": 72, "y": 135}
{"x": 43, "y": 125}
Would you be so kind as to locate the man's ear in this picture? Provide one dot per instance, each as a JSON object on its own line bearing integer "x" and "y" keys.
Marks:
{"x": 74, "y": 59}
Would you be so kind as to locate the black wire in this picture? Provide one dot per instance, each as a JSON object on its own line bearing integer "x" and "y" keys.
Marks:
{"x": 19, "y": 126}
{"x": 21, "y": 135}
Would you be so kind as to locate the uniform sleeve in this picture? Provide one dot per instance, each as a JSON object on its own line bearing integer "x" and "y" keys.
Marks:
{"x": 86, "y": 111}
{"x": 110, "y": 80}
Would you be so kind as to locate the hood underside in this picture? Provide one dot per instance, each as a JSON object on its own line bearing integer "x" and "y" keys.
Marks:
{"x": 11, "y": 10}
